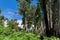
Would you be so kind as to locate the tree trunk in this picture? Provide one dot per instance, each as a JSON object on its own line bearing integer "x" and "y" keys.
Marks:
{"x": 54, "y": 17}
{"x": 45, "y": 17}
{"x": 59, "y": 15}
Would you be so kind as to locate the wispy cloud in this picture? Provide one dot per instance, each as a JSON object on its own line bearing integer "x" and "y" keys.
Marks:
{"x": 10, "y": 14}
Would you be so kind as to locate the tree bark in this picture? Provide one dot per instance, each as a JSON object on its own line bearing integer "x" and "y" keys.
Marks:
{"x": 46, "y": 19}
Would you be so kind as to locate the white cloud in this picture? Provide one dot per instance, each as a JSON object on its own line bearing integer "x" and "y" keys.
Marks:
{"x": 5, "y": 23}
{"x": 20, "y": 23}
{"x": 10, "y": 14}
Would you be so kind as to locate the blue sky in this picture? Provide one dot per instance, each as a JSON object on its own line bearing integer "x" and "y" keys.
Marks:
{"x": 9, "y": 7}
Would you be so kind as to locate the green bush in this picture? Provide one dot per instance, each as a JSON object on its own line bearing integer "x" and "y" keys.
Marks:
{"x": 12, "y": 34}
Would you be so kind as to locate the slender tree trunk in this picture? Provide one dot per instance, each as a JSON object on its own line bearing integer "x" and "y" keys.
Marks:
{"x": 59, "y": 15}
{"x": 45, "y": 17}
{"x": 50, "y": 17}
{"x": 24, "y": 21}
{"x": 42, "y": 28}
{"x": 54, "y": 17}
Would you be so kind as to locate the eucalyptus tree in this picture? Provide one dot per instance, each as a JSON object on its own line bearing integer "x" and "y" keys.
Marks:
{"x": 55, "y": 17}
{"x": 41, "y": 21}
{"x": 30, "y": 16}
{"x": 49, "y": 15}
{"x": 38, "y": 18}
{"x": 46, "y": 4}
{"x": 23, "y": 6}
{"x": 59, "y": 16}
{"x": 45, "y": 17}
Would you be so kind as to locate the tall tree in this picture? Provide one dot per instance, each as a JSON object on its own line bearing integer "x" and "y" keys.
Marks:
{"x": 55, "y": 16}
{"x": 30, "y": 16}
{"x": 45, "y": 17}
{"x": 23, "y": 7}
{"x": 38, "y": 18}
{"x": 59, "y": 15}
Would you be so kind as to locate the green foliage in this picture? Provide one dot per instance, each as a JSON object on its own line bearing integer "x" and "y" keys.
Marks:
{"x": 8, "y": 34}
{"x": 0, "y": 10}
